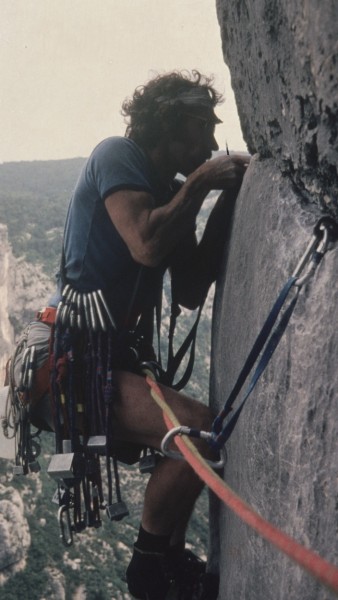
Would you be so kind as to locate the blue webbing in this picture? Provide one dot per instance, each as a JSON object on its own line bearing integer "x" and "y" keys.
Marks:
{"x": 221, "y": 433}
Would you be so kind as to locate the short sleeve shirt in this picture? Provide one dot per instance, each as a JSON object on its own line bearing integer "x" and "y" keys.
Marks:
{"x": 96, "y": 257}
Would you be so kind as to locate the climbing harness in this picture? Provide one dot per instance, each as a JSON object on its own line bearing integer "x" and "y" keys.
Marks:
{"x": 325, "y": 231}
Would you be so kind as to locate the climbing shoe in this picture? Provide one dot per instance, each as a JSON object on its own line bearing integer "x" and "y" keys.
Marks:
{"x": 186, "y": 563}
{"x": 157, "y": 576}
{"x": 190, "y": 580}
{"x": 148, "y": 576}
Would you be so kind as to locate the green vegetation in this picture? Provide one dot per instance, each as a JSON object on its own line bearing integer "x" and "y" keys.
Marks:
{"x": 34, "y": 197}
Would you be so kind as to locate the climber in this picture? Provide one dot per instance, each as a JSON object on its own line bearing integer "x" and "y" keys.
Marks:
{"x": 130, "y": 220}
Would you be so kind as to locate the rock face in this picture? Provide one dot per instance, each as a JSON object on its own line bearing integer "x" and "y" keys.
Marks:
{"x": 14, "y": 533}
{"x": 283, "y": 61}
{"x": 283, "y": 454}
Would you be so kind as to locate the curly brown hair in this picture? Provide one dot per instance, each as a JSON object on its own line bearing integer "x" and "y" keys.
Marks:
{"x": 155, "y": 109}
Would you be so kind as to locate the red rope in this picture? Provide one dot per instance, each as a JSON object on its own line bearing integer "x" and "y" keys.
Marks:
{"x": 309, "y": 560}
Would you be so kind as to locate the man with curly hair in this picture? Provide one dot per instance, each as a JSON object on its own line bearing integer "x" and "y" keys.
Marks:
{"x": 129, "y": 221}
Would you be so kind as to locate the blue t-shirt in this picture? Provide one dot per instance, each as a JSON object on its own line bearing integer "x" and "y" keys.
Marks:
{"x": 95, "y": 255}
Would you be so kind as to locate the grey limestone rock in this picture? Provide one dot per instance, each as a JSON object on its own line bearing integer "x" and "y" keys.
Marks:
{"x": 283, "y": 61}
{"x": 14, "y": 533}
{"x": 283, "y": 454}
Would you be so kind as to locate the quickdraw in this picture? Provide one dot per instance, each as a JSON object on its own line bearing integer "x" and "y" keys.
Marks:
{"x": 325, "y": 231}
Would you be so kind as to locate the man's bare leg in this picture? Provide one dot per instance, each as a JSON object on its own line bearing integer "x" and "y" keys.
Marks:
{"x": 173, "y": 486}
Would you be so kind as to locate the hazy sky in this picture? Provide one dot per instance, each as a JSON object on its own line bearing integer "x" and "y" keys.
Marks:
{"x": 67, "y": 65}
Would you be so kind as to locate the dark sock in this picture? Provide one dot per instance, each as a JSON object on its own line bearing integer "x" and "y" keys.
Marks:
{"x": 147, "y": 575}
{"x": 148, "y": 542}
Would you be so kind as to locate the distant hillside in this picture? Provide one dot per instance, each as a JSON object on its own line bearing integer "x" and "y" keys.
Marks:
{"x": 34, "y": 197}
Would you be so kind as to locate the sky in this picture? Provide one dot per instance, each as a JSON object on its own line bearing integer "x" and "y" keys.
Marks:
{"x": 67, "y": 65}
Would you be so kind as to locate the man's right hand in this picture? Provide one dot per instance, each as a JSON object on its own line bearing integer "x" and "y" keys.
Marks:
{"x": 225, "y": 172}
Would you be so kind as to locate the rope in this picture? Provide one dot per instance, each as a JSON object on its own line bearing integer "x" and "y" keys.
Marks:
{"x": 318, "y": 567}
{"x": 267, "y": 341}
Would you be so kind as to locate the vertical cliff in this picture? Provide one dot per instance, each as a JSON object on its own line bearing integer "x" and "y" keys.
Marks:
{"x": 283, "y": 455}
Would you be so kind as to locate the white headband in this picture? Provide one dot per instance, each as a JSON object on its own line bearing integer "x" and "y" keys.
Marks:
{"x": 196, "y": 96}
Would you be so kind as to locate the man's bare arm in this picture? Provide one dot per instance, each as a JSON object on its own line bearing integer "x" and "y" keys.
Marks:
{"x": 152, "y": 233}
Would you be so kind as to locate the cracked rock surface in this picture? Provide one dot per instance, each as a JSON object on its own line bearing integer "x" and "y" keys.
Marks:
{"x": 283, "y": 454}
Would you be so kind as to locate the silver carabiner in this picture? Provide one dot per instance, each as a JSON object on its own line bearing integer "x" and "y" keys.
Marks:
{"x": 24, "y": 369}
{"x": 106, "y": 308}
{"x": 92, "y": 313}
{"x": 65, "y": 312}
{"x": 73, "y": 310}
{"x": 31, "y": 365}
{"x": 66, "y": 534}
{"x": 88, "y": 321}
{"x": 61, "y": 303}
{"x": 316, "y": 247}
{"x": 99, "y": 312}
{"x": 184, "y": 430}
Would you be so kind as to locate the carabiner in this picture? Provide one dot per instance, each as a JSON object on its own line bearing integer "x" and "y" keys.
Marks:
{"x": 61, "y": 304}
{"x": 24, "y": 370}
{"x": 31, "y": 365}
{"x": 315, "y": 252}
{"x": 66, "y": 530}
{"x": 183, "y": 430}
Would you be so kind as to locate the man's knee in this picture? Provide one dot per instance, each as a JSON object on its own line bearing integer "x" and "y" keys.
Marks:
{"x": 196, "y": 414}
